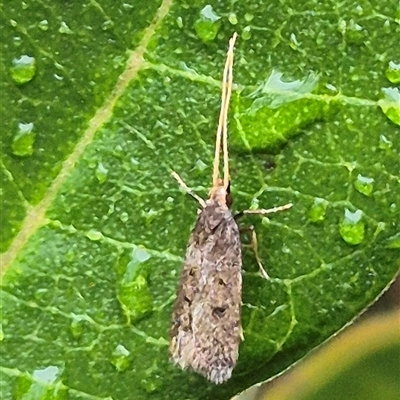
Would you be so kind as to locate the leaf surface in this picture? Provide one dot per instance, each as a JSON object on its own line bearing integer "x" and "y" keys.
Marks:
{"x": 94, "y": 227}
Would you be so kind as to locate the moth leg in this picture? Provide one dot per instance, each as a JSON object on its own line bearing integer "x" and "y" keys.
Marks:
{"x": 254, "y": 246}
{"x": 186, "y": 188}
{"x": 263, "y": 211}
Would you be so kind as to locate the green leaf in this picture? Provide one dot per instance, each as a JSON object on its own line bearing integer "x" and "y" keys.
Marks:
{"x": 94, "y": 228}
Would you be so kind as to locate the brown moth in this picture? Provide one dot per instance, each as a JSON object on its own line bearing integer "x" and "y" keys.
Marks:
{"x": 206, "y": 329}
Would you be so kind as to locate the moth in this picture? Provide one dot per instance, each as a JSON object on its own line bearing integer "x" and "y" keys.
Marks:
{"x": 206, "y": 329}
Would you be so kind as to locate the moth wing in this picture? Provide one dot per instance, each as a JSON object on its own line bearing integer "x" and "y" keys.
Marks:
{"x": 182, "y": 343}
{"x": 216, "y": 313}
{"x": 206, "y": 329}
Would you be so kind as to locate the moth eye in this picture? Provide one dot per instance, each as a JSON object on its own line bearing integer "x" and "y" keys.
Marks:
{"x": 219, "y": 311}
{"x": 221, "y": 282}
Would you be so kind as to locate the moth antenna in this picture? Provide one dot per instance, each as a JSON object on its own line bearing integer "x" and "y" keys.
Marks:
{"x": 229, "y": 66}
{"x": 222, "y": 130}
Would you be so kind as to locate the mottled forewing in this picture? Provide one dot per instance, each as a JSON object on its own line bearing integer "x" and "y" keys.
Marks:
{"x": 206, "y": 330}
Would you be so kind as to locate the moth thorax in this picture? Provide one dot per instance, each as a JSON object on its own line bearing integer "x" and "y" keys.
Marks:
{"x": 219, "y": 194}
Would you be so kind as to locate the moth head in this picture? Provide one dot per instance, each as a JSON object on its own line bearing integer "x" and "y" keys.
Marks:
{"x": 221, "y": 195}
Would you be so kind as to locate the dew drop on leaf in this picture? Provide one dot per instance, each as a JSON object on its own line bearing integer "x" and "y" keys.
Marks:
{"x": 246, "y": 34}
{"x": 93, "y": 235}
{"x": 394, "y": 242}
{"x": 384, "y": 143}
{"x": 76, "y": 326}
{"x": 318, "y": 210}
{"x": 179, "y": 22}
{"x": 393, "y": 72}
{"x": 65, "y": 29}
{"x": 133, "y": 291}
{"x": 101, "y": 172}
{"x": 124, "y": 217}
{"x": 248, "y": 17}
{"x": 390, "y": 104}
{"x": 276, "y": 91}
{"x": 140, "y": 255}
{"x": 200, "y": 165}
{"x": 364, "y": 184}
{"x": 107, "y": 25}
{"x": 127, "y": 6}
{"x": 233, "y": 19}
{"x": 23, "y": 69}
{"x": 43, "y": 25}
{"x": 208, "y": 24}
{"x": 294, "y": 43}
{"x": 352, "y": 228}
{"x": 355, "y": 33}
{"x": 22, "y": 144}
{"x": 48, "y": 374}
{"x": 120, "y": 358}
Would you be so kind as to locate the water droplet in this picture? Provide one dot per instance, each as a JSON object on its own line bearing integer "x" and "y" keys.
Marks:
{"x": 94, "y": 235}
{"x": 355, "y": 33}
{"x": 207, "y": 26}
{"x": 352, "y": 228}
{"x": 390, "y": 104}
{"x": 120, "y": 358}
{"x": 133, "y": 292}
{"x": 294, "y": 44}
{"x": 364, "y": 184}
{"x": 65, "y": 29}
{"x": 179, "y": 22}
{"x": 233, "y": 19}
{"x": 140, "y": 255}
{"x": 23, "y": 69}
{"x": 277, "y": 91}
{"x": 17, "y": 41}
{"x": 359, "y": 10}
{"x": 23, "y": 141}
{"x": 246, "y": 34}
{"x": 394, "y": 242}
{"x": 124, "y": 217}
{"x": 331, "y": 87}
{"x": 76, "y": 326}
{"x": 393, "y": 72}
{"x": 43, "y": 25}
{"x": 384, "y": 143}
{"x": 200, "y": 165}
{"x": 318, "y": 210}
{"x": 248, "y": 17}
{"x": 107, "y": 25}
{"x": 101, "y": 172}
{"x": 48, "y": 374}
{"x": 127, "y": 6}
